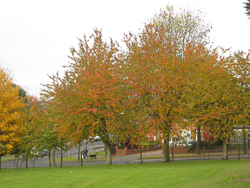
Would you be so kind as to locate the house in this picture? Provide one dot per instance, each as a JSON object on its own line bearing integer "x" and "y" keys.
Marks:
{"x": 186, "y": 134}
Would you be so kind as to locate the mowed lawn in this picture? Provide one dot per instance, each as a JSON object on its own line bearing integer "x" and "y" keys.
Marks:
{"x": 232, "y": 173}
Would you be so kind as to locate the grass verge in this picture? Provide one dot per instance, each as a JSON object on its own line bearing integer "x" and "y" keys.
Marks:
{"x": 192, "y": 155}
{"x": 75, "y": 159}
{"x": 217, "y": 173}
{"x": 7, "y": 159}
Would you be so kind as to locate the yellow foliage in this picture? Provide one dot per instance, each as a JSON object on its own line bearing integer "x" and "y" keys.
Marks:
{"x": 10, "y": 114}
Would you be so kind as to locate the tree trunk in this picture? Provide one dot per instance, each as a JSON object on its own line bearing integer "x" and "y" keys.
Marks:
{"x": 26, "y": 160}
{"x": 107, "y": 144}
{"x": 79, "y": 150}
{"x": 54, "y": 158}
{"x": 69, "y": 149}
{"x": 198, "y": 146}
{"x": 81, "y": 158}
{"x": 61, "y": 158}
{"x": 108, "y": 152}
{"x": 166, "y": 157}
{"x": 21, "y": 162}
{"x": 17, "y": 162}
{"x": 49, "y": 155}
{"x": 225, "y": 156}
{"x": 34, "y": 161}
{"x": 244, "y": 140}
{"x": 140, "y": 156}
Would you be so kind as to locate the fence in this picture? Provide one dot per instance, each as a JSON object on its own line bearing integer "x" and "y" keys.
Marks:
{"x": 234, "y": 151}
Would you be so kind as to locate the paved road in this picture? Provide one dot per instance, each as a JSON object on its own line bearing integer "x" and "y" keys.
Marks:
{"x": 130, "y": 159}
{"x": 42, "y": 162}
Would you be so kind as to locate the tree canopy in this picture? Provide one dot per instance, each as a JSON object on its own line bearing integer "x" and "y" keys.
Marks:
{"x": 91, "y": 92}
{"x": 167, "y": 78}
{"x": 11, "y": 106}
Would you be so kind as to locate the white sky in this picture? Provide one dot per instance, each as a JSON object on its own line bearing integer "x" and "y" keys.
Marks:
{"x": 36, "y": 35}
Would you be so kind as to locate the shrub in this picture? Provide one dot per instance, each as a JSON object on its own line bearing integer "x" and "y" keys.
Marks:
{"x": 209, "y": 145}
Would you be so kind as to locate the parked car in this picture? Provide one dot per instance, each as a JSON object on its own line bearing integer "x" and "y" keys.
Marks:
{"x": 172, "y": 141}
{"x": 190, "y": 142}
{"x": 185, "y": 143}
{"x": 95, "y": 138}
{"x": 43, "y": 152}
{"x": 182, "y": 143}
{"x": 39, "y": 153}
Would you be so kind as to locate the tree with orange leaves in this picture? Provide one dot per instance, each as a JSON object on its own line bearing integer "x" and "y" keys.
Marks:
{"x": 215, "y": 97}
{"x": 234, "y": 102}
{"x": 90, "y": 92}
{"x": 158, "y": 68}
{"x": 241, "y": 70}
{"x": 10, "y": 115}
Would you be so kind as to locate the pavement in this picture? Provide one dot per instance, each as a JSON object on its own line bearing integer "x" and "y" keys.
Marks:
{"x": 98, "y": 146}
{"x": 43, "y": 162}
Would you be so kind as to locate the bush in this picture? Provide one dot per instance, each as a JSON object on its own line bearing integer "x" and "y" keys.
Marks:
{"x": 146, "y": 144}
{"x": 218, "y": 142}
{"x": 209, "y": 145}
{"x": 150, "y": 143}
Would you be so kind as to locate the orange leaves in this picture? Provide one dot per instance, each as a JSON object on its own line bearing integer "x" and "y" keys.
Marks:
{"x": 10, "y": 114}
{"x": 95, "y": 86}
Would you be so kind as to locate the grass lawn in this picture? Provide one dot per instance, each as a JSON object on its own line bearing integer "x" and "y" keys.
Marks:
{"x": 100, "y": 156}
{"x": 75, "y": 159}
{"x": 188, "y": 155}
{"x": 8, "y": 159}
{"x": 232, "y": 173}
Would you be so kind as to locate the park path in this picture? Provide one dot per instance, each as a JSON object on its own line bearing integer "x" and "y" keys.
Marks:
{"x": 136, "y": 157}
{"x": 43, "y": 162}
{"x": 129, "y": 159}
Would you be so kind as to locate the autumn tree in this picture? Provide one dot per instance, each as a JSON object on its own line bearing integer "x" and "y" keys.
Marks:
{"x": 40, "y": 130}
{"x": 239, "y": 68}
{"x": 17, "y": 148}
{"x": 184, "y": 28}
{"x": 158, "y": 65}
{"x": 90, "y": 91}
{"x": 147, "y": 70}
{"x": 213, "y": 96}
{"x": 10, "y": 115}
{"x": 21, "y": 92}
{"x": 224, "y": 113}
{"x": 29, "y": 138}
{"x": 187, "y": 30}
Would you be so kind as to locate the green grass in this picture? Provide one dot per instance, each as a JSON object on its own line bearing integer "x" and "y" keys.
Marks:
{"x": 100, "y": 156}
{"x": 189, "y": 155}
{"x": 102, "y": 153}
{"x": 75, "y": 159}
{"x": 8, "y": 159}
{"x": 232, "y": 173}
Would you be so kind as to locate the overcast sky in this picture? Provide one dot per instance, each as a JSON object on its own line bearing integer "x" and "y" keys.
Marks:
{"x": 36, "y": 35}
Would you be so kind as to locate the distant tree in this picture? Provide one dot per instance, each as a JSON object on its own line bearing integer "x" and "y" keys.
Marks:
{"x": 183, "y": 28}
{"x": 247, "y": 7}
{"x": 240, "y": 66}
{"x": 10, "y": 115}
{"x": 202, "y": 74}
{"x": 40, "y": 130}
{"x": 21, "y": 92}
{"x": 224, "y": 97}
